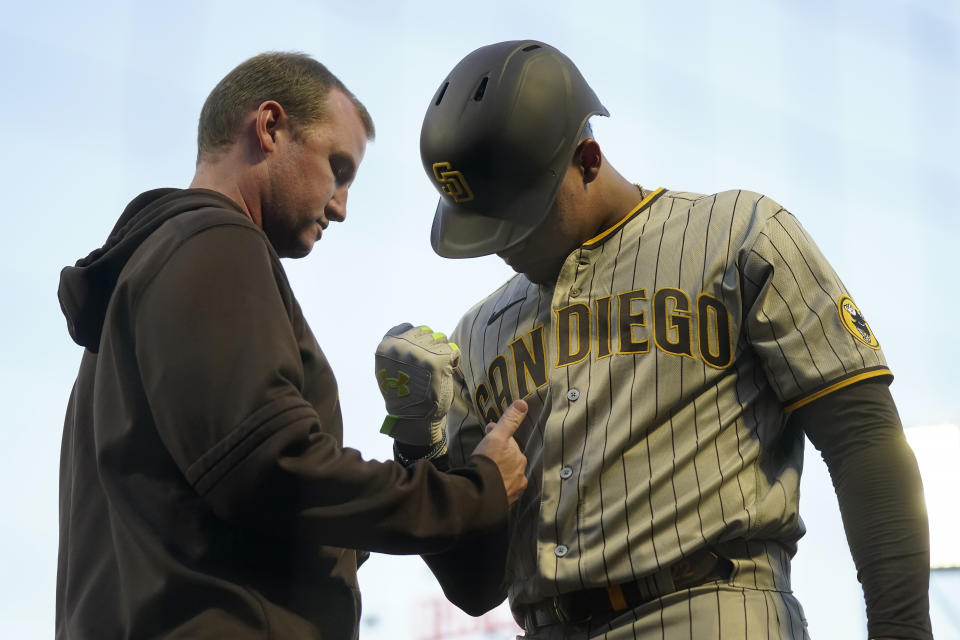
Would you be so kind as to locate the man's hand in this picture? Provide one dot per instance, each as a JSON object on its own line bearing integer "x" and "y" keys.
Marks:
{"x": 414, "y": 368}
{"x": 499, "y": 446}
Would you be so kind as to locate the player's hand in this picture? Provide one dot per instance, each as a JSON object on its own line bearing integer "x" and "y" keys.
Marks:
{"x": 414, "y": 368}
{"x": 499, "y": 446}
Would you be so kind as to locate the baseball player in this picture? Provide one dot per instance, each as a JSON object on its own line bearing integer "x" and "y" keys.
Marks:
{"x": 674, "y": 350}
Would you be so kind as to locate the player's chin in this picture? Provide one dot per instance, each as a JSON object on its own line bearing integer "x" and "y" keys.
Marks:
{"x": 537, "y": 269}
{"x": 539, "y": 275}
{"x": 543, "y": 272}
{"x": 541, "y": 278}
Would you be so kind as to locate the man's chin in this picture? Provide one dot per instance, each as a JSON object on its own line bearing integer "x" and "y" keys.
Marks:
{"x": 297, "y": 251}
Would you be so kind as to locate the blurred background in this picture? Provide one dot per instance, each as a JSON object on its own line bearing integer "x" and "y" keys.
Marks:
{"x": 844, "y": 112}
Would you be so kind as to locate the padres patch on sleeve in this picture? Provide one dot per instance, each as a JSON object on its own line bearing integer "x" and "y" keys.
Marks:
{"x": 855, "y": 323}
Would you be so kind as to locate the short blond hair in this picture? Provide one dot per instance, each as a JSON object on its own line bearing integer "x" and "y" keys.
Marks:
{"x": 296, "y": 81}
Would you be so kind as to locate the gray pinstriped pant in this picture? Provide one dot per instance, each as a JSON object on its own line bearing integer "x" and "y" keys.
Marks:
{"x": 756, "y": 604}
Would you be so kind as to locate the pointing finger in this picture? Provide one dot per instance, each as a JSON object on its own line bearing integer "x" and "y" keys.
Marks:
{"x": 511, "y": 419}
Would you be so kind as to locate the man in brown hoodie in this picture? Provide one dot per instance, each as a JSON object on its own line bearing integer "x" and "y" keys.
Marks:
{"x": 204, "y": 490}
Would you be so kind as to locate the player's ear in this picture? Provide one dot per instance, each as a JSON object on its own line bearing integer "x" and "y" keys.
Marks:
{"x": 588, "y": 159}
{"x": 270, "y": 119}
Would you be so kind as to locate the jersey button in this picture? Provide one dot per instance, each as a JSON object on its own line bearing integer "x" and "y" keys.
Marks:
{"x": 574, "y": 292}
{"x": 561, "y": 550}
{"x": 573, "y": 395}
{"x": 566, "y": 472}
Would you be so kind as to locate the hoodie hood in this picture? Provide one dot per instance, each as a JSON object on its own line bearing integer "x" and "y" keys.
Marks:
{"x": 86, "y": 288}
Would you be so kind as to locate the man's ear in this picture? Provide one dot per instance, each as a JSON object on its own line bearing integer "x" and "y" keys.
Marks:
{"x": 588, "y": 159}
{"x": 270, "y": 119}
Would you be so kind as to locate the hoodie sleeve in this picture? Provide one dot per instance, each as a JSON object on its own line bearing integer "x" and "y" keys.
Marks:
{"x": 223, "y": 375}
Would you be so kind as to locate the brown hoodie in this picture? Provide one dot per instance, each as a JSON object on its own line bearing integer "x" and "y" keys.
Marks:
{"x": 204, "y": 488}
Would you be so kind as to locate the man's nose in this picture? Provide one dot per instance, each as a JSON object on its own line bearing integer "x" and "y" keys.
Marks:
{"x": 336, "y": 209}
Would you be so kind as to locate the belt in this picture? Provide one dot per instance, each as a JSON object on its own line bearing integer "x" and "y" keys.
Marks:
{"x": 597, "y": 606}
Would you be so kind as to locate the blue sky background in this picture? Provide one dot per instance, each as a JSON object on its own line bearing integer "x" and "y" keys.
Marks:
{"x": 844, "y": 112}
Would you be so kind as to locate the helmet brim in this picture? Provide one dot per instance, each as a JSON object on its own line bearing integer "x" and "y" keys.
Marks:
{"x": 458, "y": 232}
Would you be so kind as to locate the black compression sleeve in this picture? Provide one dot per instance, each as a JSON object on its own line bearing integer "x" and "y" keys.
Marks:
{"x": 858, "y": 432}
{"x": 408, "y": 454}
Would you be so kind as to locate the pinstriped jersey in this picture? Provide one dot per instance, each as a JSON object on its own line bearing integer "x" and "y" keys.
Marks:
{"x": 659, "y": 370}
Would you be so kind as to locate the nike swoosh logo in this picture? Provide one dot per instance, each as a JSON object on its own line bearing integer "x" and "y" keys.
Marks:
{"x": 497, "y": 314}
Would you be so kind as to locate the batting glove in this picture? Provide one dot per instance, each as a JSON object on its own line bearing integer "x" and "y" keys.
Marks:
{"x": 414, "y": 368}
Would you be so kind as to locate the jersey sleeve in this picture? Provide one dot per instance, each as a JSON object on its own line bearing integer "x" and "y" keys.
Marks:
{"x": 465, "y": 426}
{"x": 802, "y": 322}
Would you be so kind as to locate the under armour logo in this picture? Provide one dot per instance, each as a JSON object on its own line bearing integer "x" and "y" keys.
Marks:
{"x": 453, "y": 183}
{"x": 399, "y": 383}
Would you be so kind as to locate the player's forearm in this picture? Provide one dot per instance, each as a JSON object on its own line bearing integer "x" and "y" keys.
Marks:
{"x": 858, "y": 432}
{"x": 472, "y": 574}
{"x": 881, "y": 501}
